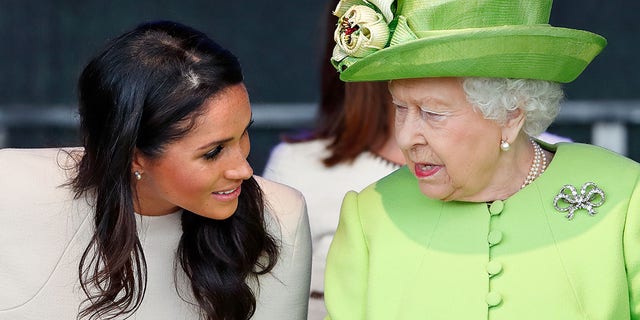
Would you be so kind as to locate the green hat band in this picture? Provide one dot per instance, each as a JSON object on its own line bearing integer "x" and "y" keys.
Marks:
{"x": 449, "y": 15}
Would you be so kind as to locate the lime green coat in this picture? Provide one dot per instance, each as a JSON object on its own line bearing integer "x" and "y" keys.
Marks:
{"x": 400, "y": 255}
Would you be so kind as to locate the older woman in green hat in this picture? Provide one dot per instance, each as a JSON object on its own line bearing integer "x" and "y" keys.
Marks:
{"x": 484, "y": 222}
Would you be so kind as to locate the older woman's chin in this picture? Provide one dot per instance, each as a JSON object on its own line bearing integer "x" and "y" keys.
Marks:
{"x": 435, "y": 192}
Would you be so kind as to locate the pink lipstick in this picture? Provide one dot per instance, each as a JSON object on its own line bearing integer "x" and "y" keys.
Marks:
{"x": 426, "y": 170}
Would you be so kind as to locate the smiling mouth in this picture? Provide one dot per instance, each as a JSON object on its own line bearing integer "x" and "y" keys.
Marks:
{"x": 227, "y": 195}
{"x": 226, "y": 192}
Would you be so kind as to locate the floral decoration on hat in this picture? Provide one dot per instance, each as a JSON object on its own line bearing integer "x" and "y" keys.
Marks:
{"x": 363, "y": 27}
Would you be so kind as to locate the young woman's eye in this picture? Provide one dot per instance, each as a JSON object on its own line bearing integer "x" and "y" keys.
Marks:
{"x": 246, "y": 131}
{"x": 213, "y": 153}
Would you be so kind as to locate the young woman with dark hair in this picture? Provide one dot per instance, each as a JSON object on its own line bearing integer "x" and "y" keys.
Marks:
{"x": 159, "y": 216}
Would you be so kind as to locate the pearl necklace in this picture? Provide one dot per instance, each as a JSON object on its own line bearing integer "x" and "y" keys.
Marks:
{"x": 538, "y": 165}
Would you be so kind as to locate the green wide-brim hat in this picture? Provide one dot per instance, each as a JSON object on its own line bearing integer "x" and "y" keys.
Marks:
{"x": 386, "y": 40}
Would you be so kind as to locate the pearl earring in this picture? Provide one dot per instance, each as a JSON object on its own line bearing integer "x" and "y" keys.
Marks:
{"x": 138, "y": 175}
{"x": 504, "y": 145}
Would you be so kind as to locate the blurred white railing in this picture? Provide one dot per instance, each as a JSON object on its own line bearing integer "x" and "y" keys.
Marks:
{"x": 608, "y": 119}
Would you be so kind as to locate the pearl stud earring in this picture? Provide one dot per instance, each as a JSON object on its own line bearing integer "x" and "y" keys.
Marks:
{"x": 504, "y": 145}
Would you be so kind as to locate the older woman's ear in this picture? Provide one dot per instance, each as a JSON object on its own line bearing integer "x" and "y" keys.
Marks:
{"x": 513, "y": 125}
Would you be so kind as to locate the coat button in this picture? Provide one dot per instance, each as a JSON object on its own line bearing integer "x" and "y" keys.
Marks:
{"x": 496, "y": 207}
{"x": 495, "y": 236}
{"x": 493, "y": 299}
{"x": 494, "y": 267}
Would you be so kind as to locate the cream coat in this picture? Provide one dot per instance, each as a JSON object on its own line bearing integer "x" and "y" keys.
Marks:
{"x": 45, "y": 230}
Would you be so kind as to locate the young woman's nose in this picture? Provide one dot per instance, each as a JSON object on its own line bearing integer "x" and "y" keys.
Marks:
{"x": 240, "y": 169}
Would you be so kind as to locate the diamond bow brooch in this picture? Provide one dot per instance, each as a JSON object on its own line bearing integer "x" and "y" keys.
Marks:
{"x": 569, "y": 200}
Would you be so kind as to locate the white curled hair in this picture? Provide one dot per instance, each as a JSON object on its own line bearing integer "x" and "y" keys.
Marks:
{"x": 497, "y": 97}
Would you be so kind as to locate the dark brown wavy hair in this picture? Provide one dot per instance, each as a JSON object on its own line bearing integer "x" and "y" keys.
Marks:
{"x": 354, "y": 116}
{"x": 136, "y": 94}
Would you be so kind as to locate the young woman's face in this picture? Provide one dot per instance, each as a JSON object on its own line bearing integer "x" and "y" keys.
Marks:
{"x": 451, "y": 148}
{"x": 203, "y": 171}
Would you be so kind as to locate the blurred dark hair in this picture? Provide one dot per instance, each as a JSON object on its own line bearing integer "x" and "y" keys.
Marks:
{"x": 354, "y": 116}
{"x": 144, "y": 91}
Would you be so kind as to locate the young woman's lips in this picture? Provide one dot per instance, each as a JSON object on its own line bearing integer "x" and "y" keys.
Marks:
{"x": 227, "y": 195}
{"x": 424, "y": 170}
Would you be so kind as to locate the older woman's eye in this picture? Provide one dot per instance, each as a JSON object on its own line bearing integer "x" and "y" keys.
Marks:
{"x": 213, "y": 153}
{"x": 401, "y": 108}
{"x": 426, "y": 114}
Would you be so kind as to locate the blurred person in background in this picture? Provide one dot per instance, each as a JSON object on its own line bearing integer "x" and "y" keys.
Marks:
{"x": 351, "y": 146}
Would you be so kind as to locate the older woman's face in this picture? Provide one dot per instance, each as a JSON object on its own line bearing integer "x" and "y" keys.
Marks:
{"x": 203, "y": 171}
{"x": 451, "y": 148}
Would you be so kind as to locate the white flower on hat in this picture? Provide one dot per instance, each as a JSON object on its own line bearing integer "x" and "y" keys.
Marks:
{"x": 362, "y": 27}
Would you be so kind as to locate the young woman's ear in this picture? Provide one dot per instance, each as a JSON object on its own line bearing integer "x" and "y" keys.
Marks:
{"x": 138, "y": 164}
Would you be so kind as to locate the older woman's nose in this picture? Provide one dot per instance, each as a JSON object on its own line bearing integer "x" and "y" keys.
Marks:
{"x": 409, "y": 132}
